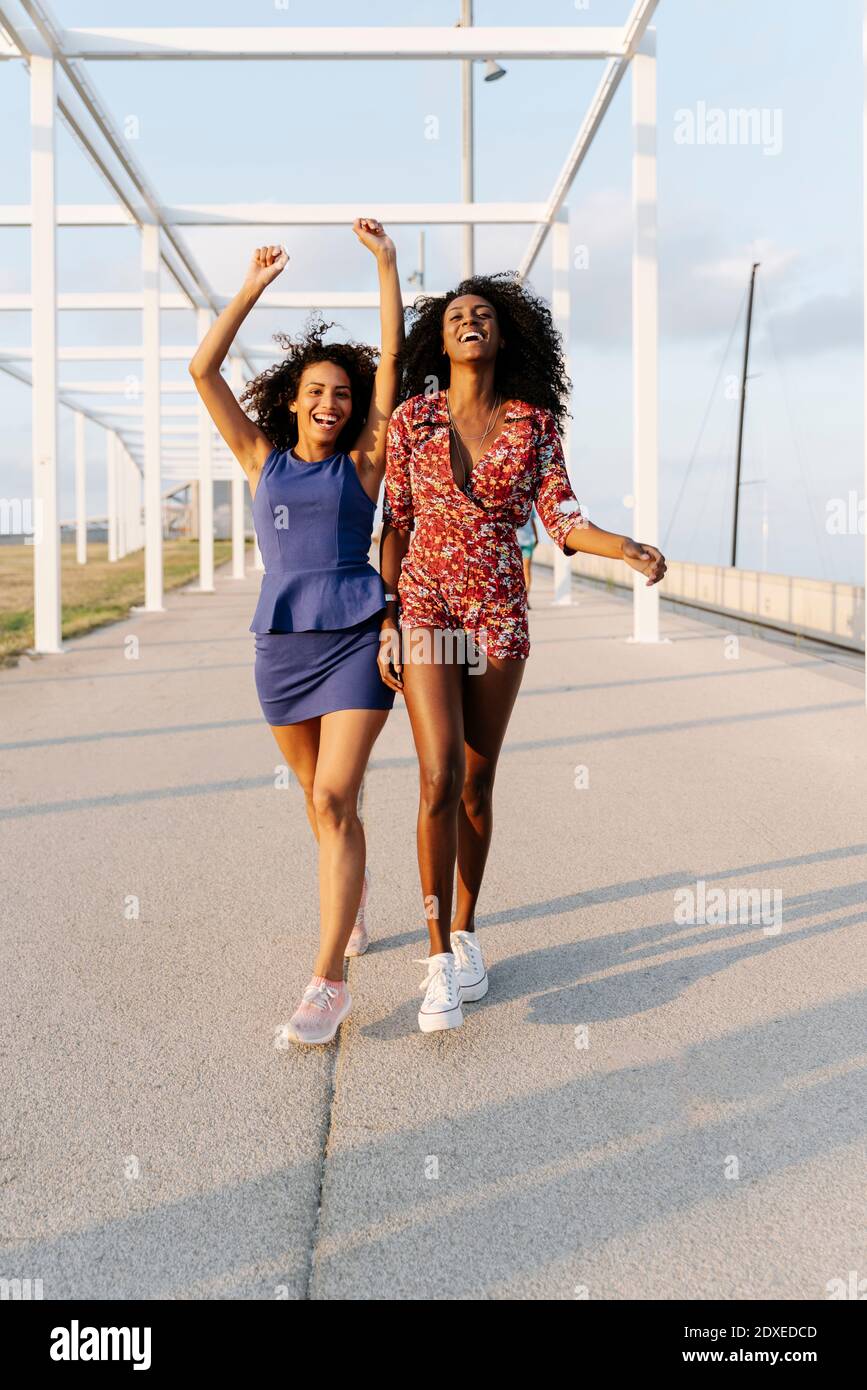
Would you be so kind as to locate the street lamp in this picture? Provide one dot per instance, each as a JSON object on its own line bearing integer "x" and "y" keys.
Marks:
{"x": 493, "y": 71}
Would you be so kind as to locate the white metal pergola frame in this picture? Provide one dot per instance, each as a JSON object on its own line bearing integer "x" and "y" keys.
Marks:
{"x": 61, "y": 88}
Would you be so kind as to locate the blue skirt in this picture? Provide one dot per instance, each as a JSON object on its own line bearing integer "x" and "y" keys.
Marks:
{"x": 301, "y": 675}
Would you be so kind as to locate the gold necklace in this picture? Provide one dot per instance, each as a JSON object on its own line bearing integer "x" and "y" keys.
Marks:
{"x": 481, "y": 438}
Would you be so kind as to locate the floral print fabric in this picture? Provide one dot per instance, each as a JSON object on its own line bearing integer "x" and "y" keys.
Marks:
{"x": 463, "y": 567}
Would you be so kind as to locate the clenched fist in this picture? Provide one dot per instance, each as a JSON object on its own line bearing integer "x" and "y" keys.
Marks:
{"x": 373, "y": 235}
{"x": 265, "y": 265}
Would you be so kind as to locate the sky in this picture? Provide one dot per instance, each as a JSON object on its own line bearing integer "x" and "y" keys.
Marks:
{"x": 788, "y": 196}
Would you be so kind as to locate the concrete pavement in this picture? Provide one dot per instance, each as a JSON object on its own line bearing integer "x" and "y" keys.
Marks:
{"x": 643, "y": 1107}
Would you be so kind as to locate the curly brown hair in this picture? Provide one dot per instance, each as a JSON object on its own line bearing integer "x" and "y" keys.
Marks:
{"x": 530, "y": 366}
{"x": 269, "y": 395}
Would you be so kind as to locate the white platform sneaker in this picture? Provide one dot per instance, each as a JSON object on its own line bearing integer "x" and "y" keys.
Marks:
{"x": 441, "y": 1007}
{"x": 469, "y": 966}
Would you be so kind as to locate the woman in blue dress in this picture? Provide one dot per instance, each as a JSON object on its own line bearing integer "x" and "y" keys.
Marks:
{"x": 313, "y": 450}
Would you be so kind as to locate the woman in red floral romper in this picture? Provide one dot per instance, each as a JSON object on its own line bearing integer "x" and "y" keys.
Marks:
{"x": 466, "y": 463}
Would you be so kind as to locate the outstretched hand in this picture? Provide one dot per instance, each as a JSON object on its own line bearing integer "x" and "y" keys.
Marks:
{"x": 373, "y": 235}
{"x": 265, "y": 265}
{"x": 646, "y": 559}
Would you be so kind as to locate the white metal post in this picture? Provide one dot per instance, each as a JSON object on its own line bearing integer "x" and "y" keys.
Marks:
{"x": 206, "y": 480}
{"x": 111, "y": 494}
{"x": 43, "y": 286}
{"x": 467, "y": 141}
{"x": 138, "y": 530}
{"x": 122, "y": 499}
{"x": 561, "y": 307}
{"x": 238, "y": 485}
{"x": 130, "y": 500}
{"x": 645, "y": 330}
{"x": 134, "y": 514}
{"x": 151, "y": 360}
{"x": 864, "y": 202}
{"x": 139, "y": 518}
{"x": 80, "y": 491}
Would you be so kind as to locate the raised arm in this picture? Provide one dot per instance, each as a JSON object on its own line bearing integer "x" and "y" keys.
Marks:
{"x": 246, "y": 441}
{"x": 368, "y": 455}
{"x": 398, "y": 519}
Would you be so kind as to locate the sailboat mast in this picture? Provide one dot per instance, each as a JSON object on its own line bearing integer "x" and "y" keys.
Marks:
{"x": 743, "y": 402}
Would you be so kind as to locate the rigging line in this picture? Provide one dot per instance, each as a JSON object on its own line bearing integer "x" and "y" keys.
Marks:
{"x": 721, "y": 448}
{"x": 801, "y": 469}
{"x": 721, "y": 475}
{"x": 705, "y": 420}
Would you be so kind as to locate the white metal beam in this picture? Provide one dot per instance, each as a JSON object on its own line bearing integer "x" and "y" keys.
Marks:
{"x": 191, "y": 450}
{"x": 344, "y": 214}
{"x": 135, "y": 432}
{"x": 421, "y": 42}
{"x": 615, "y": 71}
{"x": 111, "y": 412}
{"x": 89, "y": 300}
{"x": 188, "y": 474}
{"x": 284, "y": 214}
{"x": 122, "y": 354}
{"x": 18, "y": 374}
{"x": 123, "y": 388}
{"x": 47, "y": 38}
{"x": 70, "y": 215}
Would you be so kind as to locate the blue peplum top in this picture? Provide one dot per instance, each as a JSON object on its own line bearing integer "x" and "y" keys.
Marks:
{"x": 314, "y": 523}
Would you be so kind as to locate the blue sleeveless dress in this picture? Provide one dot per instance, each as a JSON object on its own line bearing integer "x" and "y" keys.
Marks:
{"x": 321, "y": 601}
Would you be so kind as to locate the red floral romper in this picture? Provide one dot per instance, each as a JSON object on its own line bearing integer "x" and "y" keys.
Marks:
{"x": 463, "y": 568}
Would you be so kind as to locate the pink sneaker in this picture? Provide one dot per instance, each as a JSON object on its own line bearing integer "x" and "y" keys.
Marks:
{"x": 360, "y": 938}
{"x": 324, "y": 1005}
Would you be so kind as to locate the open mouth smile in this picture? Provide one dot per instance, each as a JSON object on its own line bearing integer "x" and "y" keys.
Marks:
{"x": 472, "y": 335}
{"x": 326, "y": 422}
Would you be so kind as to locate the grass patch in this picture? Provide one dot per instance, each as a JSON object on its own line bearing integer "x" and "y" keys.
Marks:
{"x": 92, "y": 594}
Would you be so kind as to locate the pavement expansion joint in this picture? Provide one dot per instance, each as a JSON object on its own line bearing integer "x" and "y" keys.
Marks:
{"x": 335, "y": 1052}
{"x": 330, "y": 1105}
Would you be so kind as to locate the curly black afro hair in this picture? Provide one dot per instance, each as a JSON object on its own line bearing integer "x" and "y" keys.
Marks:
{"x": 530, "y": 365}
{"x": 269, "y": 395}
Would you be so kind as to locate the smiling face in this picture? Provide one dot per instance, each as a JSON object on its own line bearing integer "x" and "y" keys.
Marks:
{"x": 471, "y": 332}
{"x": 323, "y": 406}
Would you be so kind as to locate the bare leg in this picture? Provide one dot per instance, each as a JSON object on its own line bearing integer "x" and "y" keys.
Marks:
{"x": 345, "y": 741}
{"x": 433, "y": 701}
{"x": 299, "y": 744}
{"x": 489, "y": 699}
